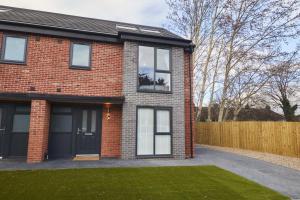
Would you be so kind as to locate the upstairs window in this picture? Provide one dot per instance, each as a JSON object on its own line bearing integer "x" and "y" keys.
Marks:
{"x": 14, "y": 49}
{"x": 154, "y": 72}
{"x": 81, "y": 55}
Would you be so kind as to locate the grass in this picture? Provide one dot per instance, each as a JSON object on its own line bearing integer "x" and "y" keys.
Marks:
{"x": 205, "y": 182}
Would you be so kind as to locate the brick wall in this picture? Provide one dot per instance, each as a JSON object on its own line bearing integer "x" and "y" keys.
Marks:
{"x": 187, "y": 103}
{"x": 134, "y": 98}
{"x": 47, "y": 69}
{"x": 38, "y": 131}
{"x": 111, "y": 131}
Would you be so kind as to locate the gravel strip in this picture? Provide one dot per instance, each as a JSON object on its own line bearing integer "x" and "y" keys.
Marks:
{"x": 290, "y": 162}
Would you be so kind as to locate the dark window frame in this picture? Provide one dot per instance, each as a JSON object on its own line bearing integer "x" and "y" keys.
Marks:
{"x": 155, "y": 133}
{"x": 18, "y": 112}
{"x": 71, "y": 66}
{"x": 59, "y": 113}
{"x": 3, "y": 49}
{"x": 155, "y": 68}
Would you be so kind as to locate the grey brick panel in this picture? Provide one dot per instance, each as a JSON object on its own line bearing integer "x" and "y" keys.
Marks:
{"x": 134, "y": 98}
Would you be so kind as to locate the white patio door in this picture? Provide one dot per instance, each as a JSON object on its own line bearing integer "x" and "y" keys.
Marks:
{"x": 145, "y": 131}
{"x": 154, "y": 135}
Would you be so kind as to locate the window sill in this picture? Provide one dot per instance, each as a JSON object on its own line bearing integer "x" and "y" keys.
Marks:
{"x": 80, "y": 68}
{"x": 12, "y": 62}
{"x": 154, "y": 157}
{"x": 154, "y": 91}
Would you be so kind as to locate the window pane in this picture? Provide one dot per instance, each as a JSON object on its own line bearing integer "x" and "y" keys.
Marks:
{"x": 93, "y": 126}
{"x": 81, "y": 55}
{"x": 84, "y": 120}
{"x": 162, "y": 144}
{"x": 163, "y": 82}
{"x": 1, "y": 116}
{"x": 146, "y": 67}
{"x": 61, "y": 123}
{"x": 145, "y": 131}
{"x": 21, "y": 123}
{"x": 61, "y": 110}
{"x": 22, "y": 108}
{"x": 163, "y": 121}
{"x": 163, "y": 59}
{"x": 15, "y": 49}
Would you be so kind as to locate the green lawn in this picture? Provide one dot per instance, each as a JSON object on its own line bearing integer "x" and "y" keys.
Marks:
{"x": 205, "y": 182}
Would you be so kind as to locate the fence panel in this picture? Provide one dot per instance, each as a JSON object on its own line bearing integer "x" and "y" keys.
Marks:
{"x": 281, "y": 138}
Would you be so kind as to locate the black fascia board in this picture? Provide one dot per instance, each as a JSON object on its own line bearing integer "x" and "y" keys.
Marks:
{"x": 76, "y": 34}
{"x": 59, "y": 32}
{"x": 186, "y": 44}
{"x": 61, "y": 98}
{"x": 155, "y": 36}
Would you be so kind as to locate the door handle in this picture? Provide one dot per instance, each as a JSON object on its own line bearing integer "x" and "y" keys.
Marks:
{"x": 2, "y": 129}
{"x": 79, "y": 131}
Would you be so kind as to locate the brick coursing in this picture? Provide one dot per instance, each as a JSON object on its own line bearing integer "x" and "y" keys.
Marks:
{"x": 113, "y": 73}
{"x": 38, "y": 131}
{"x": 134, "y": 98}
{"x": 187, "y": 102}
{"x": 111, "y": 131}
{"x": 47, "y": 69}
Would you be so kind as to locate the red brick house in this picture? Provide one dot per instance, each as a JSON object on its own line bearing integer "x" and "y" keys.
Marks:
{"x": 73, "y": 86}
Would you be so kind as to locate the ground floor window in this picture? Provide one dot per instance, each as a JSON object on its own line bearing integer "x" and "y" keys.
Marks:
{"x": 154, "y": 131}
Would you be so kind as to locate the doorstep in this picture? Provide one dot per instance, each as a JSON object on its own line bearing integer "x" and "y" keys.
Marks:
{"x": 86, "y": 157}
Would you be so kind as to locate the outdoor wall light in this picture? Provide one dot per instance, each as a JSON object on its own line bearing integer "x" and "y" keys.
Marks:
{"x": 107, "y": 105}
{"x": 108, "y": 114}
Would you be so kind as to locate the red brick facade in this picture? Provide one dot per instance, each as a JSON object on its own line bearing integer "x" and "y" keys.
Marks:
{"x": 47, "y": 70}
{"x": 38, "y": 131}
{"x": 111, "y": 131}
{"x": 187, "y": 92}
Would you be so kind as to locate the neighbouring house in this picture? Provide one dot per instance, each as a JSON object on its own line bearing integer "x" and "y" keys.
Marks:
{"x": 246, "y": 114}
{"x": 74, "y": 87}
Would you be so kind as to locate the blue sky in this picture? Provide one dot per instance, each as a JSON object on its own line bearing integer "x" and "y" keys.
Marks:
{"x": 146, "y": 12}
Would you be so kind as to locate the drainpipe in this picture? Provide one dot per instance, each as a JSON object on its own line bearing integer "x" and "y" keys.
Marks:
{"x": 191, "y": 106}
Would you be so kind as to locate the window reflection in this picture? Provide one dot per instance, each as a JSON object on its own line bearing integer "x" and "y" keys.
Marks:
{"x": 163, "y": 59}
{"x": 15, "y": 48}
{"x": 146, "y": 67}
{"x": 154, "y": 69}
{"x": 81, "y": 55}
{"x": 162, "y": 82}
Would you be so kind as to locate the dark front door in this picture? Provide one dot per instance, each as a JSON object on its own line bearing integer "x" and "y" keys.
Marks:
{"x": 14, "y": 130}
{"x": 61, "y": 134}
{"x": 2, "y": 130}
{"x": 88, "y": 131}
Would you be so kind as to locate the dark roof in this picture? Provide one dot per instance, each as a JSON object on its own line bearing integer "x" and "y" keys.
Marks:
{"x": 75, "y": 23}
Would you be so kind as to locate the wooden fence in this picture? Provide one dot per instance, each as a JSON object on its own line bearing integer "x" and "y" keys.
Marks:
{"x": 281, "y": 138}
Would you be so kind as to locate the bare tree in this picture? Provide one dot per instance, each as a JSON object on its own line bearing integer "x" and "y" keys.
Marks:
{"x": 213, "y": 39}
{"x": 246, "y": 87}
{"x": 197, "y": 20}
{"x": 255, "y": 29}
{"x": 251, "y": 33}
{"x": 285, "y": 85}
{"x": 214, "y": 80}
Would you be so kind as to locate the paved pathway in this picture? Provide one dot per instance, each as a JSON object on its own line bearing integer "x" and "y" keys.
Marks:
{"x": 282, "y": 179}
{"x": 279, "y": 178}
